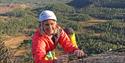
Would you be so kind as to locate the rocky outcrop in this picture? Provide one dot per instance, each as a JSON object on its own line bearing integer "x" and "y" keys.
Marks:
{"x": 5, "y": 54}
{"x": 109, "y": 57}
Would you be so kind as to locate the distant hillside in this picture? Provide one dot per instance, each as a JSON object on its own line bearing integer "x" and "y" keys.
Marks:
{"x": 74, "y": 3}
{"x": 110, "y": 3}
{"x": 98, "y": 3}
{"x": 10, "y": 7}
{"x": 32, "y": 1}
{"x": 80, "y": 3}
{"x": 102, "y": 9}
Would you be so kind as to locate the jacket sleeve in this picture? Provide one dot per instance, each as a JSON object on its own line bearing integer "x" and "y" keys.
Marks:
{"x": 66, "y": 43}
{"x": 39, "y": 51}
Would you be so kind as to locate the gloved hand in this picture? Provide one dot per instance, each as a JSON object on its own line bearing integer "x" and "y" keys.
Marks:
{"x": 79, "y": 53}
{"x": 62, "y": 59}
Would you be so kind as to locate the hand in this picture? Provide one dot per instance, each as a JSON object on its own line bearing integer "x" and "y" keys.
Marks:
{"x": 79, "y": 53}
{"x": 62, "y": 59}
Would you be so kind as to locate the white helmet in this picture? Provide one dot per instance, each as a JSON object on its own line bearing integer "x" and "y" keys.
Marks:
{"x": 47, "y": 14}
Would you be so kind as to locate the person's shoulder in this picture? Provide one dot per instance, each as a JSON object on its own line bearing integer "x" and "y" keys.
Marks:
{"x": 37, "y": 35}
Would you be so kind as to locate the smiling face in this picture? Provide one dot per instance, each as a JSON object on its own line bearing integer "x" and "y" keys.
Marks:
{"x": 49, "y": 26}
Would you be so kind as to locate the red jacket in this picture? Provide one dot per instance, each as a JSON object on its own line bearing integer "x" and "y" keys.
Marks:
{"x": 42, "y": 44}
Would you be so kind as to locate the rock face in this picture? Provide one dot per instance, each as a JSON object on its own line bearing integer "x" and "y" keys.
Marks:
{"x": 5, "y": 54}
{"x": 110, "y": 57}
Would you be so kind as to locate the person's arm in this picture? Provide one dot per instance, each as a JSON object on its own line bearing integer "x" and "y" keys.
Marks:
{"x": 65, "y": 42}
{"x": 39, "y": 51}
